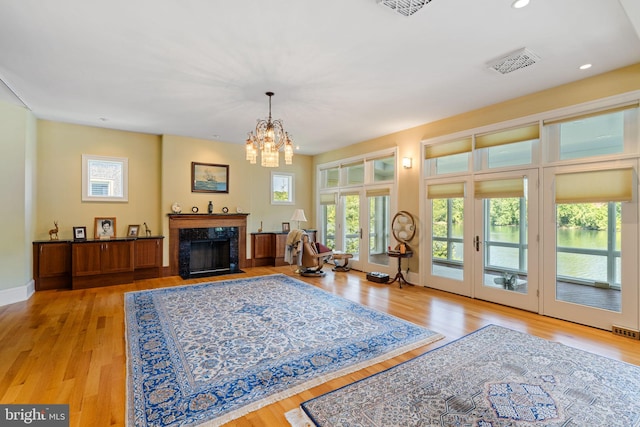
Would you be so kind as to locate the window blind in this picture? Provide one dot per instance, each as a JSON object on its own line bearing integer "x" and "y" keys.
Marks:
{"x": 445, "y": 191}
{"x": 615, "y": 185}
{"x": 447, "y": 148}
{"x": 508, "y": 136}
{"x": 499, "y": 188}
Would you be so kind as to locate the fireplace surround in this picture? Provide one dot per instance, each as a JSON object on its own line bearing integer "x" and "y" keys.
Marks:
{"x": 216, "y": 235}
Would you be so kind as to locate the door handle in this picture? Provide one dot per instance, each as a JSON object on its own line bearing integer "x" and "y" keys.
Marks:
{"x": 477, "y": 243}
{"x": 361, "y": 233}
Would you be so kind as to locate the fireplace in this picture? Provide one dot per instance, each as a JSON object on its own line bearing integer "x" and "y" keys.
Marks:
{"x": 207, "y": 233}
{"x": 208, "y": 251}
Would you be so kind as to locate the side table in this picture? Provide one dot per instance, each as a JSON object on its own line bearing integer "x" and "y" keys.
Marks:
{"x": 399, "y": 276}
{"x": 341, "y": 261}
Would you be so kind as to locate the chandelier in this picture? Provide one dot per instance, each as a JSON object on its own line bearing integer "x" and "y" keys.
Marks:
{"x": 269, "y": 138}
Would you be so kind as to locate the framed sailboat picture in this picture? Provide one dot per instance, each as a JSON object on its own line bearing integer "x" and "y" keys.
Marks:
{"x": 209, "y": 178}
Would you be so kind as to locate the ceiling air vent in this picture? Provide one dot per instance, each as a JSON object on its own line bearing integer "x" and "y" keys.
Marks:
{"x": 404, "y": 7}
{"x": 514, "y": 61}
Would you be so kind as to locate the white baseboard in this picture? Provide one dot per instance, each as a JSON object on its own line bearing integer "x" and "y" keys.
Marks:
{"x": 17, "y": 294}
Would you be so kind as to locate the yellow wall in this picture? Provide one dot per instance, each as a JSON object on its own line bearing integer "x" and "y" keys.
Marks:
{"x": 17, "y": 159}
{"x": 616, "y": 82}
{"x": 60, "y": 150}
{"x": 249, "y": 185}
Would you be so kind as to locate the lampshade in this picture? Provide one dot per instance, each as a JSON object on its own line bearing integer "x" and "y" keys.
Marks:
{"x": 298, "y": 215}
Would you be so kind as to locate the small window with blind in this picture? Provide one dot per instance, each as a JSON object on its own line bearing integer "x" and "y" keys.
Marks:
{"x": 601, "y": 133}
{"x": 354, "y": 173}
{"x": 448, "y": 157}
{"x": 330, "y": 178}
{"x": 507, "y": 147}
{"x": 384, "y": 169}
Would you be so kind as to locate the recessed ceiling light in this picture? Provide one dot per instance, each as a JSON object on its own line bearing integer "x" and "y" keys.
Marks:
{"x": 585, "y": 66}
{"x": 518, "y": 4}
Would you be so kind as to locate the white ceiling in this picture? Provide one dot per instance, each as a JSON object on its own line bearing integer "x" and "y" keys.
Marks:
{"x": 343, "y": 71}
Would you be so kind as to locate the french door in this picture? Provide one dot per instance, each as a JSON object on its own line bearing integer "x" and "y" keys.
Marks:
{"x": 365, "y": 227}
{"x": 591, "y": 244}
{"x": 505, "y": 238}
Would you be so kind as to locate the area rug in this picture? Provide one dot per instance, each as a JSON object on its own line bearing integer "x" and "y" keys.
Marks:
{"x": 209, "y": 353}
{"x": 492, "y": 377}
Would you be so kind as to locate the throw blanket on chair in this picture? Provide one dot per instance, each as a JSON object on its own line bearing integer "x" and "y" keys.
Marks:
{"x": 293, "y": 246}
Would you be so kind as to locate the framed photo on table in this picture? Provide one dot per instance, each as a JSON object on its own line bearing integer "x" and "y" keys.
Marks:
{"x": 286, "y": 227}
{"x": 79, "y": 233}
{"x": 104, "y": 227}
{"x": 133, "y": 230}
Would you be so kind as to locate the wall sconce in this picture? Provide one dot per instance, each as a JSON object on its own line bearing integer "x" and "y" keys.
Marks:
{"x": 406, "y": 162}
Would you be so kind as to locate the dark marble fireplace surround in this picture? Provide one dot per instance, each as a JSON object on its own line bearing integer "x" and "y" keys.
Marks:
{"x": 208, "y": 251}
{"x": 208, "y": 232}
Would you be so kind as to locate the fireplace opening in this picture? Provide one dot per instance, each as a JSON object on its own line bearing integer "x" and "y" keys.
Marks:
{"x": 208, "y": 252}
{"x": 210, "y": 256}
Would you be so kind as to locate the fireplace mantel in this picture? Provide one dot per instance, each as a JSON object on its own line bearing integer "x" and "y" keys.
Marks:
{"x": 180, "y": 221}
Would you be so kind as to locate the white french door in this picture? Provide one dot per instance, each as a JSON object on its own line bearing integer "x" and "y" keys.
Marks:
{"x": 591, "y": 274}
{"x": 505, "y": 238}
{"x": 449, "y": 260}
{"x": 365, "y": 225}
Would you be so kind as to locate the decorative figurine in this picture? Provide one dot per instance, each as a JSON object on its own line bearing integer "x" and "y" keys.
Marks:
{"x": 210, "y": 208}
{"x": 53, "y": 233}
{"x": 147, "y": 232}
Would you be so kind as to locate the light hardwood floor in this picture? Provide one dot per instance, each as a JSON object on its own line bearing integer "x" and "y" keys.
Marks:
{"x": 69, "y": 346}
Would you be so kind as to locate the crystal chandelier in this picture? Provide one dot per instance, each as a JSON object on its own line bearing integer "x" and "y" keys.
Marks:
{"x": 268, "y": 138}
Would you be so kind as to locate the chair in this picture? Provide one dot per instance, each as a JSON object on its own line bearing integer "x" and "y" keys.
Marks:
{"x": 312, "y": 260}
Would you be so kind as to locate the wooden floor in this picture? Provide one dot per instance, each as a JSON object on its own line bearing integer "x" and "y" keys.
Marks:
{"x": 69, "y": 346}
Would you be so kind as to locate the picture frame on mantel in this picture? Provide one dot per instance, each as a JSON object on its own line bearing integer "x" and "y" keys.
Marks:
{"x": 209, "y": 178}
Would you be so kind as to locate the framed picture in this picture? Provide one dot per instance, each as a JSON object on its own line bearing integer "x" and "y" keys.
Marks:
{"x": 79, "y": 233}
{"x": 286, "y": 227}
{"x": 209, "y": 178}
{"x": 104, "y": 227}
{"x": 133, "y": 230}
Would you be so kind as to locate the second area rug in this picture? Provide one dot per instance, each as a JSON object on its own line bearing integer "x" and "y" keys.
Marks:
{"x": 494, "y": 377}
{"x": 209, "y": 353}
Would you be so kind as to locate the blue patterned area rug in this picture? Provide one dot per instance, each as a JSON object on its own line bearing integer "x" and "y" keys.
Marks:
{"x": 492, "y": 377}
{"x": 209, "y": 353}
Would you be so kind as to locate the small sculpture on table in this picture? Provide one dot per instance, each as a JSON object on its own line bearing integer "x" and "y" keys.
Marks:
{"x": 53, "y": 233}
{"x": 147, "y": 232}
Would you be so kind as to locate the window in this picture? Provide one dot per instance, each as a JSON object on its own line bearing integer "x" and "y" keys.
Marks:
{"x": 282, "y": 191}
{"x": 448, "y": 157}
{"x": 105, "y": 179}
{"x": 384, "y": 169}
{"x": 600, "y": 133}
{"x": 330, "y": 177}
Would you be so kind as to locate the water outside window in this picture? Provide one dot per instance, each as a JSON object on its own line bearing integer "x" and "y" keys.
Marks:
{"x": 588, "y": 253}
{"x": 447, "y": 239}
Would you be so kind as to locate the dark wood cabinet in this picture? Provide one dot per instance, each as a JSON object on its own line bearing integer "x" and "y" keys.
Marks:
{"x": 280, "y": 247}
{"x": 148, "y": 258}
{"x": 262, "y": 247}
{"x": 101, "y": 263}
{"x": 268, "y": 249}
{"x": 86, "y": 264}
{"x": 52, "y": 265}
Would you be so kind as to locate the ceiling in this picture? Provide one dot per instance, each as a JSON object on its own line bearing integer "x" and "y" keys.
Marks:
{"x": 342, "y": 71}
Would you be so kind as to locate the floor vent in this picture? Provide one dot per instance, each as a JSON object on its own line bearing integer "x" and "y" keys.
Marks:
{"x": 404, "y": 7}
{"x": 514, "y": 61}
{"x": 626, "y": 332}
